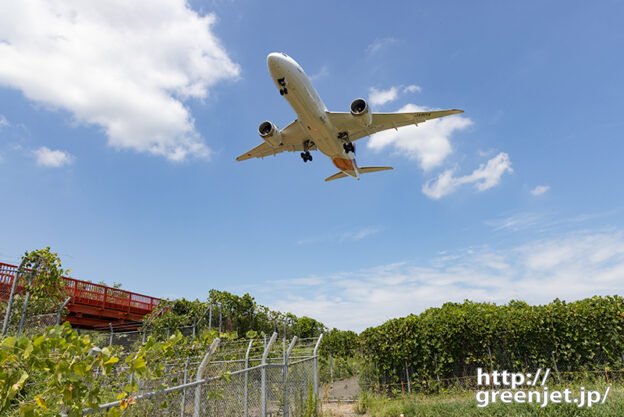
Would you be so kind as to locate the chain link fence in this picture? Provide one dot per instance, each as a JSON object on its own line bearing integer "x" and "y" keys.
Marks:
{"x": 252, "y": 378}
{"x": 404, "y": 377}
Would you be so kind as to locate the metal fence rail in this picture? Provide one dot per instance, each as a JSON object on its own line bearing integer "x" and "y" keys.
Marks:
{"x": 264, "y": 379}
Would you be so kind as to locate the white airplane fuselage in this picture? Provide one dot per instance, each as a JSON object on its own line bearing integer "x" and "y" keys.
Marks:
{"x": 310, "y": 110}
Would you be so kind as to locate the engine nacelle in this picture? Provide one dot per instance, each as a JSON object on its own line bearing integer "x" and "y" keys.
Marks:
{"x": 269, "y": 132}
{"x": 361, "y": 112}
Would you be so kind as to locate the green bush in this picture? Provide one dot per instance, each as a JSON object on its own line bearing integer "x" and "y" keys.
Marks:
{"x": 455, "y": 339}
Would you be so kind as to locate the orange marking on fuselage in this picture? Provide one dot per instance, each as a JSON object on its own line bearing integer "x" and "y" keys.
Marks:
{"x": 344, "y": 164}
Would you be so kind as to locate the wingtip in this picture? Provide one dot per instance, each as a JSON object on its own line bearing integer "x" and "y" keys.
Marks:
{"x": 457, "y": 111}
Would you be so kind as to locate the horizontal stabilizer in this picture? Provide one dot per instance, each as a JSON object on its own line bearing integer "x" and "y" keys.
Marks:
{"x": 366, "y": 170}
{"x": 361, "y": 170}
{"x": 336, "y": 176}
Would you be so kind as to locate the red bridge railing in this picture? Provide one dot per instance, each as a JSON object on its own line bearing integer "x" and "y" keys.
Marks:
{"x": 85, "y": 293}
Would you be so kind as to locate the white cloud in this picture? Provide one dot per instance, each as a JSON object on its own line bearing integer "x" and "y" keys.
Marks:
{"x": 348, "y": 236}
{"x": 516, "y": 222}
{"x": 4, "y": 122}
{"x": 380, "y": 43}
{"x": 359, "y": 234}
{"x": 570, "y": 267}
{"x": 381, "y": 97}
{"x": 412, "y": 89}
{"x": 323, "y": 72}
{"x": 124, "y": 66}
{"x": 48, "y": 158}
{"x": 546, "y": 222}
{"x": 540, "y": 189}
{"x": 485, "y": 177}
{"x": 428, "y": 143}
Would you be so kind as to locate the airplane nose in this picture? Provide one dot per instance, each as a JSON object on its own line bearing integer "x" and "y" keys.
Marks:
{"x": 273, "y": 58}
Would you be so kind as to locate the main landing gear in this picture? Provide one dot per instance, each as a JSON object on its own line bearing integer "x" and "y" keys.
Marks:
{"x": 282, "y": 83}
{"x": 305, "y": 155}
{"x": 347, "y": 145}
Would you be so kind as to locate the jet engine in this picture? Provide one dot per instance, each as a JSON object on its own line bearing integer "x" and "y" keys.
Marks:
{"x": 269, "y": 132}
{"x": 361, "y": 112}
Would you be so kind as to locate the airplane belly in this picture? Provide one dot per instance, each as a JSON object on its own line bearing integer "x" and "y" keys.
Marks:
{"x": 310, "y": 110}
{"x": 310, "y": 115}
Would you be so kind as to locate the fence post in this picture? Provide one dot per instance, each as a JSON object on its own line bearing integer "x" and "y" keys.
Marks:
{"x": 60, "y": 312}
{"x": 409, "y": 388}
{"x": 110, "y": 342}
{"x": 263, "y": 388}
{"x": 315, "y": 356}
{"x": 284, "y": 340}
{"x": 7, "y": 315}
{"x": 200, "y": 375}
{"x": 194, "y": 325}
{"x": 210, "y": 317}
{"x": 184, "y": 390}
{"x": 285, "y": 374}
{"x": 555, "y": 363}
{"x": 143, "y": 336}
{"x": 31, "y": 276}
{"x": 246, "y": 399}
{"x": 220, "y": 319}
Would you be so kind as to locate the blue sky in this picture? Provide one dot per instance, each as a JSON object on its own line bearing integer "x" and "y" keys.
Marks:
{"x": 119, "y": 125}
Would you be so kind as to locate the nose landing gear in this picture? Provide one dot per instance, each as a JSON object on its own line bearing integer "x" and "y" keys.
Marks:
{"x": 282, "y": 83}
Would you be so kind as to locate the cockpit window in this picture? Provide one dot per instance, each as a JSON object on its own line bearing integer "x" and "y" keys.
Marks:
{"x": 285, "y": 55}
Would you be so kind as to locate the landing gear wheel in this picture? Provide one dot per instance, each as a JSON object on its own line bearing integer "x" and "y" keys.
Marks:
{"x": 283, "y": 91}
{"x": 306, "y": 156}
{"x": 348, "y": 147}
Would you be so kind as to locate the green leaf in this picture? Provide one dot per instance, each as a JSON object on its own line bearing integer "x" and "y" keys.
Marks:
{"x": 9, "y": 342}
{"x": 113, "y": 359}
{"x": 139, "y": 363}
{"x": 41, "y": 402}
{"x": 113, "y": 412}
{"x": 27, "y": 351}
{"x": 27, "y": 410}
{"x": 38, "y": 340}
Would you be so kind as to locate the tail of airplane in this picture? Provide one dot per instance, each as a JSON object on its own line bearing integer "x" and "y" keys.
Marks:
{"x": 361, "y": 170}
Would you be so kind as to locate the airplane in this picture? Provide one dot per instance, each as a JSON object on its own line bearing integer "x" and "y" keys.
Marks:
{"x": 316, "y": 128}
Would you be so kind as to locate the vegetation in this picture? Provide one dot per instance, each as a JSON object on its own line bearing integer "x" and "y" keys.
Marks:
{"x": 464, "y": 404}
{"x": 307, "y": 404}
{"x": 42, "y": 275}
{"x": 59, "y": 368}
{"x": 58, "y": 371}
{"x": 453, "y": 340}
{"x": 240, "y": 314}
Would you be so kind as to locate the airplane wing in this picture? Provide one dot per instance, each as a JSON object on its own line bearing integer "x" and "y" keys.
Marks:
{"x": 383, "y": 121}
{"x": 293, "y": 137}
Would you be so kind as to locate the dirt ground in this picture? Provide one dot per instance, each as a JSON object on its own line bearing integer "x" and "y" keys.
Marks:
{"x": 346, "y": 389}
{"x": 337, "y": 399}
{"x": 338, "y": 409}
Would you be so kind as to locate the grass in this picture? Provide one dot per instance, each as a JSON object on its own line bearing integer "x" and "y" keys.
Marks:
{"x": 464, "y": 404}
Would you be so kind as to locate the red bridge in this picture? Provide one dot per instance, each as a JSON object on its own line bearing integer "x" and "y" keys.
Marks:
{"x": 91, "y": 305}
